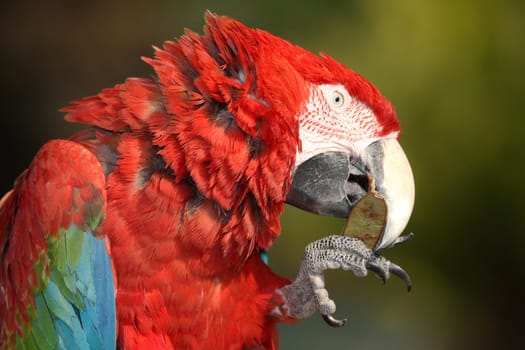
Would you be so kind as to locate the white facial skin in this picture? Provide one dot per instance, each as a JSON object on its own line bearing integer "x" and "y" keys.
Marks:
{"x": 334, "y": 121}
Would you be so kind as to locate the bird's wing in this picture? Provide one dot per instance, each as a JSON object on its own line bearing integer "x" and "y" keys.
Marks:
{"x": 57, "y": 287}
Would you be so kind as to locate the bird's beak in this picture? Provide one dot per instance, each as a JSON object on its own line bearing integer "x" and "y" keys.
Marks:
{"x": 331, "y": 183}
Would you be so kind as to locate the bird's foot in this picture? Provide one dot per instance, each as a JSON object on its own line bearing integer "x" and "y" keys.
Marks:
{"x": 308, "y": 293}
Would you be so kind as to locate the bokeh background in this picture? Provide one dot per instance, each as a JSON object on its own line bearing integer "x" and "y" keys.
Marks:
{"x": 453, "y": 68}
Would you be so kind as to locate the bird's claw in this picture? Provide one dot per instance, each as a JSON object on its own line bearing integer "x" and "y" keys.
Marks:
{"x": 378, "y": 270}
{"x": 308, "y": 293}
{"x": 383, "y": 270}
{"x": 399, "y": 272}
{"x": 403, "y": 239}
{"x": 333, "y": 322}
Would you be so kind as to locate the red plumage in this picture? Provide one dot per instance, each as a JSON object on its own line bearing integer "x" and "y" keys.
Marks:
{"x": 204, "y": 163}
{"x": 38, "y": 200}
{"x": 197, "y": 165}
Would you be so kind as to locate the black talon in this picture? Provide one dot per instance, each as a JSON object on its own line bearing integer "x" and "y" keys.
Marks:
{"x": 403, "y": 239}
{"x": 375, "y": 268}
{"x": 333, "y": 322}
{"x": 399, "y": 272}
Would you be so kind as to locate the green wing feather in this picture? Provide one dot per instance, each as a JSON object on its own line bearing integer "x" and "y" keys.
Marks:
{"x": 56, "y": 274}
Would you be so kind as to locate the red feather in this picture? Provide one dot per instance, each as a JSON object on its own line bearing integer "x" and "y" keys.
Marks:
{"x": 198, "y": 164}
{"x": 32, "y": 213}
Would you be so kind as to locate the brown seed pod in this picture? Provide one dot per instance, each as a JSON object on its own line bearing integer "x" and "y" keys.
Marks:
{"x": 367, "y": 220}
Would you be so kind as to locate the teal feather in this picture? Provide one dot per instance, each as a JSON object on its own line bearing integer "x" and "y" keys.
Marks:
{"x": 264, "y": 256}
{"x": 76, "y": 310}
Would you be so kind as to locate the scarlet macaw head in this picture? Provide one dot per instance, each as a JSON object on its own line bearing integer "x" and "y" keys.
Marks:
{"x": 349, "y": 134}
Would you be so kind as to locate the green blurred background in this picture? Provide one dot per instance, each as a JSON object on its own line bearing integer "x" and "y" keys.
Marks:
{"x": 454, "y": 70}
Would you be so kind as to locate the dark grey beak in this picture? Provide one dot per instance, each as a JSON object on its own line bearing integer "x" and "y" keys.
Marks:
{"x": 331, "y": 183}
{"x": 323, "y": 185}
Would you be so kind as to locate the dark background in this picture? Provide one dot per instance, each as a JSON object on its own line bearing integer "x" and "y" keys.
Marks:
{"x": 453, "y": 68}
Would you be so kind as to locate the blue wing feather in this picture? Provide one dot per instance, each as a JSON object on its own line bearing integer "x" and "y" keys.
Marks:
{"x": 84, "y": 317}
{"x": 56, "y": 274}
{"x": 99, "y": 318}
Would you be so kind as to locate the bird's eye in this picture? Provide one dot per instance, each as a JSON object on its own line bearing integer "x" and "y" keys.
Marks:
{"x": 338, "y": 99}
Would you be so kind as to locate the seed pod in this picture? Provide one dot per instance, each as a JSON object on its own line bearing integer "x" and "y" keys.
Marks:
{"x": 367, "y": 220}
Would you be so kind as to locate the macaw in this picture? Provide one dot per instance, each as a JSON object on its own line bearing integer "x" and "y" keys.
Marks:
{"x": 148, "y": 229}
